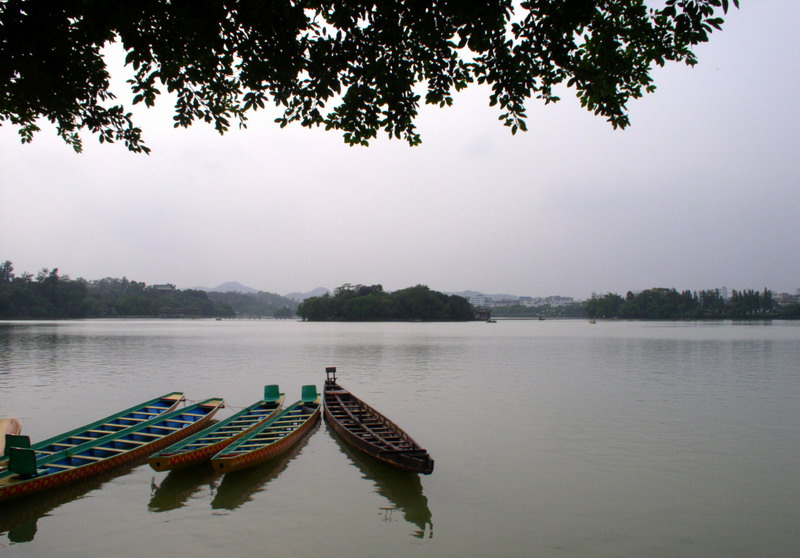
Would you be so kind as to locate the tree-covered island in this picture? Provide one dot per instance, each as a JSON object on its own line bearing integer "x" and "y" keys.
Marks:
{"x": 372, "y": 303}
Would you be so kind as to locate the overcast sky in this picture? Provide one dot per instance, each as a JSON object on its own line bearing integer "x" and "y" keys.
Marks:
{"x": 702, "y": 191}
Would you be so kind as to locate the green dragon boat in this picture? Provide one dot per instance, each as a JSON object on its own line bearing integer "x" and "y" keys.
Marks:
{"x": 273, "y": 437}
{"x": 116, "y": 423}
{"x": 26, "y": 474}
{"x": 202, "y": 446}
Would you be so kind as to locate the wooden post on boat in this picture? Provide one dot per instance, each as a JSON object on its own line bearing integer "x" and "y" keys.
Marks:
{"x": 330, "y": 375}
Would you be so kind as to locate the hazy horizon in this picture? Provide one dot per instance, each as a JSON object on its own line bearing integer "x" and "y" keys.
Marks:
{"x": 495, "y": 293}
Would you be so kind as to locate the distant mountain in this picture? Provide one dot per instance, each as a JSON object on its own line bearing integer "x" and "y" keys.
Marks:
{"x": 255, "y": 303}
{"x": 300, "y": 297}
{"x": 229, "y": 287}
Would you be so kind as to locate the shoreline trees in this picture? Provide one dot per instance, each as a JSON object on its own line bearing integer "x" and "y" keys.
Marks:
{"x": 669, "y": 304}
{"x": 50, "y": 295}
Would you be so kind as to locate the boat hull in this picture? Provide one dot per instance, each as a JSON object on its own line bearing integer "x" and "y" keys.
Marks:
{"x": 179, "y": 461}
{"x": 272, "y": 438}
{"x": 14, "y": 486}
{"x": 406, "y": 454}
{"x": 402, "y": 462}
{"x": 117, "y": 423}
{"x": 167, "y": 460}
{"x": 257, "y": 457}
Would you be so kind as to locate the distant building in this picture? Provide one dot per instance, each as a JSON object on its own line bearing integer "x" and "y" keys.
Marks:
{"x": 480, "y": 300}
{"x": 483, "y": 301}
{"x": 556, "y": 301}
{"x": 165, "y": 288}
{"x": 786, "y": 298}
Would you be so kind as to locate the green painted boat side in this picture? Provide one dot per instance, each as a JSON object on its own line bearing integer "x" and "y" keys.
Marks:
{"x": 202, "y": 446}
{"x": 116, "y": 423}
{"x": 273, "y": 437}
{"x": 113, "y": 450}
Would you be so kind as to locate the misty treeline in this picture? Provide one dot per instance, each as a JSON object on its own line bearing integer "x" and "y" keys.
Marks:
{"x": 49, "y": 295}
{"x": 257, "y": 304}
{"x": 365, "y": 303}
{"x": 669, "y": 304}
{"x": 572, "y": 310}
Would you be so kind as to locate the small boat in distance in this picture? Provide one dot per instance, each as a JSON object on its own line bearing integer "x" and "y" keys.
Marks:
{"x": 369, "y": 431}
{"x": 273, "y": 437}
{"x": 204, "y": 445}
{"x": 26, "y": 474}
{"x": 116, "y": 423}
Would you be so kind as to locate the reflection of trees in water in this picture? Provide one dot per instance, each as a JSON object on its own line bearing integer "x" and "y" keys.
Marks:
{"x": 19, "y": 517}
{"x": 179, "y": 485}
{"x": 403, "y": 489}
{"x": 239, "y": 487}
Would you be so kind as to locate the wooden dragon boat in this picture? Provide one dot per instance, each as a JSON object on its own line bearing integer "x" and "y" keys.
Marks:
{"x": 369, "y": 431}
{"x": 26, "y": 474}
{"x": 205, "y": 444}
{"x": 116, "y": 423}
{"x": 273, "y": 437}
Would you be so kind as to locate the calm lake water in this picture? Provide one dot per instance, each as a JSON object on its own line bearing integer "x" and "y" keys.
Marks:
{"x": 551, "y": 438}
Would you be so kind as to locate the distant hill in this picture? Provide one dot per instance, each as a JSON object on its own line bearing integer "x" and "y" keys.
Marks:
{"x": 300, "y": 297}
{"x": 256, "y": 303}
{"x": 229, "y": 287}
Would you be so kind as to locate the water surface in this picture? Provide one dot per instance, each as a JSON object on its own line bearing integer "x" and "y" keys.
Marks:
{"x": 551, "y": 438}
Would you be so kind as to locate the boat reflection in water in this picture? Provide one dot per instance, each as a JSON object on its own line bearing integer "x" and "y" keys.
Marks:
{"x": 403, "y": 489}
{"x": 180, "y": 485}
{"x": 239, "y": 487}
{"x": 19, "y": 519}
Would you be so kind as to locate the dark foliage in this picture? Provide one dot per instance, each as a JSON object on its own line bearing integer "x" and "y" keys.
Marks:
{"x": 53, "y": 296}
{"x": 371, "y": 303}
{"x": 669, "y": 304}
{"x": 349, "y": 65}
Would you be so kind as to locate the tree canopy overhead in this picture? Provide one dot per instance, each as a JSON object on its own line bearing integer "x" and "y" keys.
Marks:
{"x": 356, "y": 66}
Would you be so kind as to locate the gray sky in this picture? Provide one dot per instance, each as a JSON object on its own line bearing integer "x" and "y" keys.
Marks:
{"x": 700, "y": 192}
